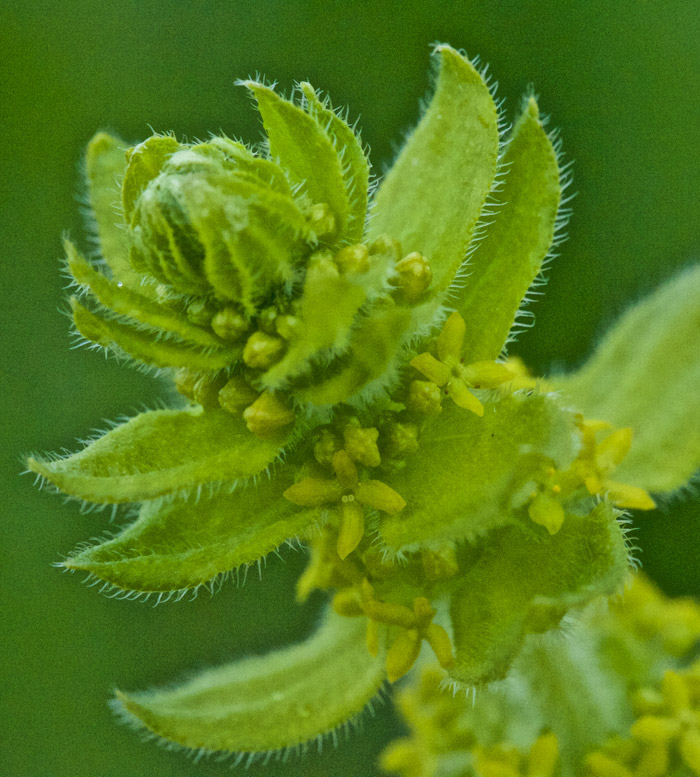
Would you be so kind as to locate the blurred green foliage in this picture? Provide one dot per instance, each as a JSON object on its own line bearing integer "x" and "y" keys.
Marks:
{"x": 620, "y": 79}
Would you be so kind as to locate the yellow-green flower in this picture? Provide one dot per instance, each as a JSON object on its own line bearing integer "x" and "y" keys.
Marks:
{"x": 313, "y": 328}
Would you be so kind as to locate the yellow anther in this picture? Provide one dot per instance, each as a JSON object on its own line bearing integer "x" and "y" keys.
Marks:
{"x": 543, "y": 757}
{"x": 262, "y": 350}
{"x": 361, "y": 444}
{"x": 267, "y": 415}
{"x": 414, "y": 275}
{"x": 353, "y": 259}
{"x": 237, "y": 395}
{"x": 347, "y": 602}
{"x": 424, "y": 397}
{"x": 405, "y": 757}
{"x": 229, "y": 324}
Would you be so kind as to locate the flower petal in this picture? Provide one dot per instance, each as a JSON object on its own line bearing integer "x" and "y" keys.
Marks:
{"x": 433, "y": 195}
{"x": 645, "y": 374}
{"x": 267, "y": 702}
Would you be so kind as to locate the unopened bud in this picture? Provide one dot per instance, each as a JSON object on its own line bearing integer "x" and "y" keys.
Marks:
{"x": 287, "y": 326}
{"x": 361, "y": 444}
{"x": 229, "y": 324}
{"x": 237, "y": 395}
{"x": 414, "y": 276}
{"x": 353, "y": 259}
{"x": 401, "y": 439}
{"x": 262, "y": 350}
{"x": 324, "y": 448}
{"x": 387, "y": 246}
{"x": 424, "y": 397}
{"x": 439, "y": 563}
{"x": 184, "y": 382}
{"x": 321, "y": 221}
{"x": 206, "y": 389}
{"x": 267, "y": 415}
{"x": 200, "y": 312}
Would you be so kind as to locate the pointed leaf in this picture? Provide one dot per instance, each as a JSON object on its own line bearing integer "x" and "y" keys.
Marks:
{"x": 372, "y": 352}
{"x": 433, "y": 195}
{"x": 645, "y": 374}
{"x": 181, "y": 544}
{"x": 326, "y": 313}
{"x": 353, "y": 158}
{"x": 303, "y": 149}
{"x": 105, "y": 163}
{"x": 126, "y": 302}
{"x": 523, "y": 583}
{"x": 161, "y": 452}
{"x": 268, "y": 702}
{"x": 461, "y": 480}
{"x": 510, "y": 257}
{"x": 148, "y": 347}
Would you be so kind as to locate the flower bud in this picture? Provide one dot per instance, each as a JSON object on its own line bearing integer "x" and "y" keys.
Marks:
{"x": 267, "y": 415}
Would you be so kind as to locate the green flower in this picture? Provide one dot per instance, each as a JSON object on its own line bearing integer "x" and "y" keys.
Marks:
{"x": 313, "y": 332}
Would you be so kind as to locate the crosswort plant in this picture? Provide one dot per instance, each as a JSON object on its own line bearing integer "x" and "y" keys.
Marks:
{"x": 340, "y": 350}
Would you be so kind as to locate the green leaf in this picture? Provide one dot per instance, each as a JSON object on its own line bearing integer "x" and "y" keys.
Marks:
{"x": 524, "y": 582}
{"x": 326, "y": 313}
{"x": 303, "y": 149}
{"x": 105, "y": 163}
{"x": 148, "y": 347}
{"x": 267, "y": 702}
{"x": 645, "y": 374}
{"x": 184, "y": 543}
{"x": 129, "y": 303}
{"x": 161, "y": 452}
{"x": 372, "y": 352}
{"x": 460, "y": 482}
{"x": 510, "y": 257}
{"x": 145, "y": 162}
{"x": 433, "y": 195}
{"x": 354, "y": 161}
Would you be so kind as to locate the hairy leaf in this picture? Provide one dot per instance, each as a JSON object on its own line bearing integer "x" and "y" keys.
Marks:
{"x": 268, "y": 702}
{"x": 303, "y": 148}
{"x": 510, "y": 257}
{"x": 148, "y": 347}
{"x": 354, "y": 161}
{"x": 645, "y": 374}
{"x": 433, "y": 195}
{"x": 460, "y": 481}
{"x": 184, "y": 543}
{"x": 105, "y": 163}
{"x": 126, "y": 302}
{"x": 145, "y": 162}
{"x": 525, "y": 582}
{"x": 161, "y": 452}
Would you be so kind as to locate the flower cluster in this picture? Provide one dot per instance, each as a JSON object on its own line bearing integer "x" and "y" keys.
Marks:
{"x": 339, "y": 352}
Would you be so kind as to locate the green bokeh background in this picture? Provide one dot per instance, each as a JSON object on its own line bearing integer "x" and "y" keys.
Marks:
{"x": 620, "y": 79}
